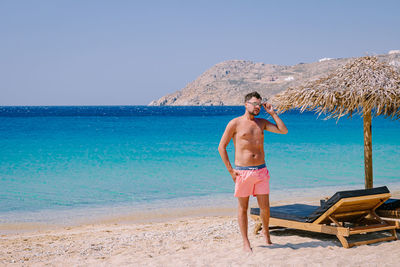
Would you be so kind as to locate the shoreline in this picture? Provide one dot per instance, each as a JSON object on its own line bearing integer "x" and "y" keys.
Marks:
{"x": 158, "y": 211}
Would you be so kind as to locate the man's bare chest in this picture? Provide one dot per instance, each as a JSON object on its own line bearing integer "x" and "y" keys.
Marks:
{"x": 250, "y": 132}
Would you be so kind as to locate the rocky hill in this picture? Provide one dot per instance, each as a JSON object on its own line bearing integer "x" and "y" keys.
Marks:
{"x": 226, "y": 83}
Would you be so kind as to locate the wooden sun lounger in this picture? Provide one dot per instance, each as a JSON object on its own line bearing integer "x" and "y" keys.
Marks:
{"x": 390, "y": 211}
{"x": 344, "y": 214}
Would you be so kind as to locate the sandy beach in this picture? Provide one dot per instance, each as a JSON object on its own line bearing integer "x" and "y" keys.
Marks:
{"x": 185, "y": 241}
{"x": 205, "y": 241}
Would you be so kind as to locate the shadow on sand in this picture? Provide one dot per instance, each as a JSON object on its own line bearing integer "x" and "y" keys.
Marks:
{"x": 321, "y": 239}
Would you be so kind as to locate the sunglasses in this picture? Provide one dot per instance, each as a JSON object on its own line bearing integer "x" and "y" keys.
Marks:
{"x": 255, "y": 104}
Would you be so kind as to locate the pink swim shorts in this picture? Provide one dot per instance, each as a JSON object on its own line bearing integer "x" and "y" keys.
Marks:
{"x": 252, "y": 181}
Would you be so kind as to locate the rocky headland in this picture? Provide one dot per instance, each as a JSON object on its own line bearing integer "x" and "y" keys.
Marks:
{"x": 227, "y": 82}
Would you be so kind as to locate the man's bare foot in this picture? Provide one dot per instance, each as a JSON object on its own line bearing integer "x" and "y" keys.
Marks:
{"x": 247, "y": 249}
{"x": 267, "y": 238}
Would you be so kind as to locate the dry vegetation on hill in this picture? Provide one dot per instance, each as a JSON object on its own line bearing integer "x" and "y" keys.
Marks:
{"x": 227, "y": 82}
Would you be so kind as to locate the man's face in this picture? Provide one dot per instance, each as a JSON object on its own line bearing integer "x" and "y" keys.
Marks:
{"x": 253, "y": 106}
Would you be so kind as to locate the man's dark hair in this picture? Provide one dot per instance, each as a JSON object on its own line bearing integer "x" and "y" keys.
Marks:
{"x": 250, "y": 95}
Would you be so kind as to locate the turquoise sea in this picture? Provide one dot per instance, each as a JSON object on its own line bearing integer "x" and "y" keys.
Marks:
{"x": 80, "y": 157}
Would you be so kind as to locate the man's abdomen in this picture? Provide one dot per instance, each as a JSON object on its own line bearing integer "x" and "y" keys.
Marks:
{"x": 249, "y": 158}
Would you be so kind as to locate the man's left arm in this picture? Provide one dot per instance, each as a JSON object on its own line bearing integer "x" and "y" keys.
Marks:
{"x": 279, "y": 127}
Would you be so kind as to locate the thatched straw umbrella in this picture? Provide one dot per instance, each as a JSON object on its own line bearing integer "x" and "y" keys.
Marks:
{"x": 364, "y": 86}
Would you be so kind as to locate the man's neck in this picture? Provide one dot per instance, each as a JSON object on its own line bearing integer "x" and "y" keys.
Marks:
{"x": 248, "y": 116}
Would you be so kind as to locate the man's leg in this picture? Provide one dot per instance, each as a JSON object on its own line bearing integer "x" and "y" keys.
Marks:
{"x": 242, "y": 219}
{"x": 263, "y": 203}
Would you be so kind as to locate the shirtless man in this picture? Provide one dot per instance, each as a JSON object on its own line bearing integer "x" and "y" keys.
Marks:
{"x": 250, "y": 175}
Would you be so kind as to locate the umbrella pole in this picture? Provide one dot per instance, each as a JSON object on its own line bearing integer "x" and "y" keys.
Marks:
{"x": 368, "y": 149}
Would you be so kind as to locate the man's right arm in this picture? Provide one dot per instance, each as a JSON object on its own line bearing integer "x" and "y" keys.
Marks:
{"x": 226, "y": 138}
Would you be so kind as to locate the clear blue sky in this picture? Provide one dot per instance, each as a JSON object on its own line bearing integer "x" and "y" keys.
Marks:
{"x": 131, "y": 52}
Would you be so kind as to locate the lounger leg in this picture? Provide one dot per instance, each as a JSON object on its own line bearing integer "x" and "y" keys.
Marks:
{"x": 343, "y": 240}
{"x": 257, "y": 228}
{"x": 394, "y": 233}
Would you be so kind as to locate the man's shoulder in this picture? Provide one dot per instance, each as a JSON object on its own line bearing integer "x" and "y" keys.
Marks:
{"x": 263, "y": 120}
{"x": 235, "y": 120}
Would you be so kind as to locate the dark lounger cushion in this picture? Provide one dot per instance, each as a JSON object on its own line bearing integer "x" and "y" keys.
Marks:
{"x": 345, "y": 194}
{"x": 295, "y": 212}
{"x": 390, "y": 204}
